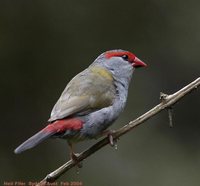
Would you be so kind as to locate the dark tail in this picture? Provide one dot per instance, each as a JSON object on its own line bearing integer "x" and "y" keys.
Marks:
{"x": 34, "y": 140}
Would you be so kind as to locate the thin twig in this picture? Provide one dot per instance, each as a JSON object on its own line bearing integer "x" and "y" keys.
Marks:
{"x": 170, "y": 111}
{"x": 166, "y": 102}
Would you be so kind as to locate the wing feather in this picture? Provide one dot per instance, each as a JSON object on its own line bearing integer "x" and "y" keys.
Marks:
{"x": 90, "y": 90}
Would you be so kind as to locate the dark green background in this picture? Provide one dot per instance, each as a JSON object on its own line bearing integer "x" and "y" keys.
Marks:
{"x": 43, "y": 44}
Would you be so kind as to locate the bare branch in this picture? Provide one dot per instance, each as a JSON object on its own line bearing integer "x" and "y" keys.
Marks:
{"x": 166, "y": 103}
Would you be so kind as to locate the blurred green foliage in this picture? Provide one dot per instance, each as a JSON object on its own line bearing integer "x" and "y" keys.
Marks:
{"x": 43, "y": 44}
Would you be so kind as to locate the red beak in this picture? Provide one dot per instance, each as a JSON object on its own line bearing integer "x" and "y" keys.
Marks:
{"x": 138, "y": 63}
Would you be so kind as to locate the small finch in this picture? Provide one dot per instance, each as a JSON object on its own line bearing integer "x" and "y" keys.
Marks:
{"x": 91, "y": 101}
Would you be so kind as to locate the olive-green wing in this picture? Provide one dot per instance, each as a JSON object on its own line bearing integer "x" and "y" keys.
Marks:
{"x": 90, "y": 90}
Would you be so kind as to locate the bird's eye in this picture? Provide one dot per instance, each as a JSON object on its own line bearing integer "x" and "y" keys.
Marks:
{"x": 125, "y": 57}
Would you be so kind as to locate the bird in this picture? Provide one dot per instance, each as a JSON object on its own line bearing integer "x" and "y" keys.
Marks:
{"x": 91, "y": 101}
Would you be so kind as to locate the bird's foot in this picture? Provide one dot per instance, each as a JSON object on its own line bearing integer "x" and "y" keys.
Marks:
{"x": 74, "y": 158}
{"x": 112, "y": 140}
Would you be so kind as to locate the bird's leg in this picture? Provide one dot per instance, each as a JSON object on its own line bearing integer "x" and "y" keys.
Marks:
{"x": 74, "y": 156}
{"x": 112, "y": 141}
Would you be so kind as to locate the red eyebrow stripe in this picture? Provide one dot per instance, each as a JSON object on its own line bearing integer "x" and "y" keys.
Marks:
{"x": 131, "y": 56}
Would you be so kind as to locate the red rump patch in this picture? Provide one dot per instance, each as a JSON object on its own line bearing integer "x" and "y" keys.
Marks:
{"x": 131, "y": 56}
{"x": 64, "y": 124}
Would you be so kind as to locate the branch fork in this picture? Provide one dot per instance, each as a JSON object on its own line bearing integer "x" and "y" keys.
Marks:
{"x": 164, "y": 98}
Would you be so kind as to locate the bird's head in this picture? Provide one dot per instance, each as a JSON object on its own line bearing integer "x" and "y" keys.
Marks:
{"x": 119, "y": 58}
{"x": 125, "y": 56}
{"x": 120, "y": 63}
